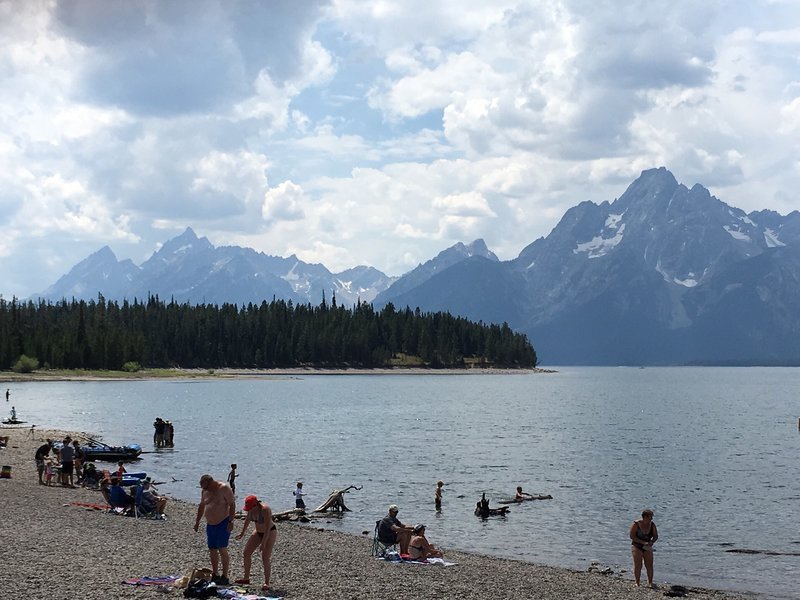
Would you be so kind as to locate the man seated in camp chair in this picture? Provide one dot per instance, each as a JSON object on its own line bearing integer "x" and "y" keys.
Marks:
{"x": 147, "y": 501}
{"x": 392, "y": 531}
{"x": 118, "y": 497}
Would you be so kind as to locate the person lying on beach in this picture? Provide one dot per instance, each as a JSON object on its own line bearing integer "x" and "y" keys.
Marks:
{"x": 420, "y": 548}
{"x": 392, "y": 531}
{"x": 262, "y": 539}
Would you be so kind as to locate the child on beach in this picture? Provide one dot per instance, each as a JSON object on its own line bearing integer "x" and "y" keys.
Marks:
{"x": 437, "y": 499}
{"x": 232, "y": 478}
{"x": 120, "y": 469}
{"x": 298, "y": 496}
{"x": 48, "y": 472}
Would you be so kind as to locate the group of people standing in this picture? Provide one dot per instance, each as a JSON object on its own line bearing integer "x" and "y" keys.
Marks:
{"x": 67, "y": 462}
{"x": 218, "y": 506}
{"x": 164, "y": 433}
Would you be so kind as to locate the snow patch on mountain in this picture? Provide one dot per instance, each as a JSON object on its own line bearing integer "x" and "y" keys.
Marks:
{"x": 612, "y": 221}
{"x": 736, "y": 234}
{"x": 771, "y": 238}
{"x": 599, "y": 246}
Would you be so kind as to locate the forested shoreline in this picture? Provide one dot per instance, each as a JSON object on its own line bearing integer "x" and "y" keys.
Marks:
{"x": 109, "y": 335}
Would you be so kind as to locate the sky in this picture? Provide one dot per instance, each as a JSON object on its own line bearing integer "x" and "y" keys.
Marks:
{"x": 378, "y": 132}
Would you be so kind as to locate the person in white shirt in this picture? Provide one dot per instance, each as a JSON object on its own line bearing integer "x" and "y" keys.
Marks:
{"x": 298, "y": 496}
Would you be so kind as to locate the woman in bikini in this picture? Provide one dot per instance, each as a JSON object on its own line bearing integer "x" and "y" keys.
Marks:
{"x": 419, "y": 548}
{"x": 263, "y": 538}
{"x": 643, "y": 534}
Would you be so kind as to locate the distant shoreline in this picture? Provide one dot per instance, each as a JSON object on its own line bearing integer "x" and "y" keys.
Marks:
{"x": 212, "y": 374}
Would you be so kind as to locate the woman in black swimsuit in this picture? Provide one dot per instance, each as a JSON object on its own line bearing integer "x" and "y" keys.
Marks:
{"x": 263, "y": 538}
{"x": 643, "y": 534}
{"x": 419, "y": 548}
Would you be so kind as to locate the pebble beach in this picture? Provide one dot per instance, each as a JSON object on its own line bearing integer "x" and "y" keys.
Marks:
{"x": 51, "y": 548}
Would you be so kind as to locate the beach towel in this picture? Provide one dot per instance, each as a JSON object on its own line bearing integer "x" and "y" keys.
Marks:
{"x": 168, "y": 580}
{"x": 403, "y": 559}
{"x": 233, "y": 594}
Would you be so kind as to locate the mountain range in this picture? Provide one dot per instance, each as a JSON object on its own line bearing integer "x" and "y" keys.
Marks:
{"x": 664, "y": 274}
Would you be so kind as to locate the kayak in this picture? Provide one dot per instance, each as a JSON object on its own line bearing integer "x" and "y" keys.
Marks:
{"x": 132, "y": 479}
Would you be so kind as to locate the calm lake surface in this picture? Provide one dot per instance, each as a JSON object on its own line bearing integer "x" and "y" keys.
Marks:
{"x": 714, "y": 451}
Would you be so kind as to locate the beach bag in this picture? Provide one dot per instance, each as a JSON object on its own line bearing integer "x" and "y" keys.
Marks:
{"x": 202, "y": 588}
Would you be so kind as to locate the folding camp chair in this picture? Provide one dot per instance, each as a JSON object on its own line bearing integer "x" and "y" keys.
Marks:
{"x": 141, "y": 509}
{"x": 379, "y": 547}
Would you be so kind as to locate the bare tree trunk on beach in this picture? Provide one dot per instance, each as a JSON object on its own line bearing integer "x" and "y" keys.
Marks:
{"x": 336, "y": 500}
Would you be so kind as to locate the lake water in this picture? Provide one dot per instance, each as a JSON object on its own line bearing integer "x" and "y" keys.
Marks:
{"x": 714, "y": 451}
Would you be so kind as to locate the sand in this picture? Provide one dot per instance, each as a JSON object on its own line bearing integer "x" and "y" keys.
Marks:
{"x": 295, "y": 372}
{"x": 50, "y": 549}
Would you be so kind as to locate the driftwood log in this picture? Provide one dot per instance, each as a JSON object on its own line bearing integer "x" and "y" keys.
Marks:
{"x": 483, "y": 511}
{"x": 336, "y": 500}
{"x": 526, "y": 498}
{"x": 294, "y": 514}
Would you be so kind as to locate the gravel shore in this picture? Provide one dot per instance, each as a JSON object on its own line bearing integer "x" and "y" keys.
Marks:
{"x": 52, "y": 550}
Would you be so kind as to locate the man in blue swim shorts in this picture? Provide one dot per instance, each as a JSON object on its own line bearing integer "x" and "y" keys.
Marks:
{"x": 217, "y": 504}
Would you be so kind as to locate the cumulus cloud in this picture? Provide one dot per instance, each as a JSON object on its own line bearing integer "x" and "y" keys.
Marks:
{"x": 469, "y": 204}
{"x": 394, "y": 129}
{"x": 283, "y": 203}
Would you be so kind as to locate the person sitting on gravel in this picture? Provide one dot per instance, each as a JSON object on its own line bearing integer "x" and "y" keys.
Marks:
{"x": 420, "y": 548}
{"x": 392, "y": 531}
{"x": 91, "y": 478}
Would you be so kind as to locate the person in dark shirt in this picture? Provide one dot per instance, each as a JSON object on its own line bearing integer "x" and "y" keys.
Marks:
{"x": 41, "y": 453}
{"x": 392, "y": 531}
{"x": 67, "y": 463}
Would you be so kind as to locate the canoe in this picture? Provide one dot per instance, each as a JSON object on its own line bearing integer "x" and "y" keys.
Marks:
{"x": 13, "y": 422}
